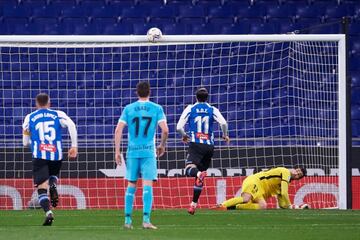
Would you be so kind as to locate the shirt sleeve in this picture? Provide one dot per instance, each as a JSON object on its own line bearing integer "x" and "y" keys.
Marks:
{"x": 285, "y": 180}
{"x": 26, "y": 131}
{"x": 25, "y": 125}
{"x": 219, "y": 117}
{"x": 124, "y": 116}
{"x": 66, "y": 122}
{"x": 184, "y": 118}
{"x": 161, "y": 115}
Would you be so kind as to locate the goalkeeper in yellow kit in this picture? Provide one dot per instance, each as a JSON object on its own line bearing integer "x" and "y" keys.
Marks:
{"x": 257, "y": 188}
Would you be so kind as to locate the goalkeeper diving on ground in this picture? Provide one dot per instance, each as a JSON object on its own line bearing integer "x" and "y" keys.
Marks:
{"x": 259, "y": 187}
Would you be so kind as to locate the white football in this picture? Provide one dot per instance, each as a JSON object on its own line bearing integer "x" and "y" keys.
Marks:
{"x": 154, "y": 34}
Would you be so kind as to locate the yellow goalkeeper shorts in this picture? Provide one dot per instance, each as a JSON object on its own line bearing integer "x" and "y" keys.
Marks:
{"x": 252, "y": 186}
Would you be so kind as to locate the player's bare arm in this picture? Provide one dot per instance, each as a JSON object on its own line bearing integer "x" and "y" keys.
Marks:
{"x": 160, "y": 150}
{"x": 26, "y": 132}
{"x": 118, "y": 136}
{"x": 223, "y": 125}
{"x": 180, "y": 127}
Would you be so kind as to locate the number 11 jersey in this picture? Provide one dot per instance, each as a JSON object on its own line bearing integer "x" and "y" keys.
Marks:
{"x": 200, "y": 117}
{"x": 142, "y": 119}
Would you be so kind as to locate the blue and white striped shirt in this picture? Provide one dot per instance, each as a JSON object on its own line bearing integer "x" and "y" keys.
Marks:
{"x": 44, "y": 127}
{"x": 200, "y": 117}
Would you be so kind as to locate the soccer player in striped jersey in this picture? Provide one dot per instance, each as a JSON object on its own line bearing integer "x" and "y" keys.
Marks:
{"x": 42, "y": 131}
{"x": 200, "y": 117}
{"x": 257, "y": 188}
{"x": 142, "y": 119}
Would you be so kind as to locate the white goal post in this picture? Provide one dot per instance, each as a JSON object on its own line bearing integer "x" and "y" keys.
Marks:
{"x": 186, "y": 58}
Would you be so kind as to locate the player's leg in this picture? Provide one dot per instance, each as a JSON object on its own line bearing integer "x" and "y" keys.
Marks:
{"x": 41, "y": 175}
{"x": 233, "y": 202}
{"x": 193, "y": 160}
{"x": 54, "y": 170}
{"x": 206, "y": 153}
{"x": 193, "y": 163}
{"x": 250, "y": 191}
{"x": 253, "y": 205}
{"x": 149, "y": 175}
{"x": 132, "y": 174}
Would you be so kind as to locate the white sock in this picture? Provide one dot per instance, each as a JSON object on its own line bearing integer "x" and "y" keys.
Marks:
{"x": 193, "y": 204}
{"x": 48, "y": 212}
{"x": 198, "y": 174}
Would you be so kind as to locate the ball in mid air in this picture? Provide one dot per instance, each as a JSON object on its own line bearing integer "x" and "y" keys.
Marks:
{"x": 154, "y": 34}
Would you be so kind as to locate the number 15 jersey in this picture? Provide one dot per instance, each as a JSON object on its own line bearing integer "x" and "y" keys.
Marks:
{"x": 44, "y": 126}
{"x": 142, "y": 119}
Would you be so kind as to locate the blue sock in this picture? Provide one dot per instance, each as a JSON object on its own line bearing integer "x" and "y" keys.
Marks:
{"x": 129, "y": 201}
{"x": 53, "y": 180}
{"x": 44, "y": 199}
{"x": 147, "y": 202}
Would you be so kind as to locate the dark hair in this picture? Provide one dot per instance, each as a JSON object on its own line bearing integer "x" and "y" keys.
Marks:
{"x": 303, "y": 170}
{"x": 202, "y": 95}
{"x": 42, "y": 99}
{"x": 143, "y": 89}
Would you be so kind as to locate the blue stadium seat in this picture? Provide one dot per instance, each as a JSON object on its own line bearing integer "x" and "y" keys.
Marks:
{"x": 17, "y": 25}
{"x": 354, "y": 28}
{"x": 354, "y": 45}
{"x": 355, "y": 125}
{"x": 220, "y": 21}
{"x": 163, "y": 12}
{"x": 191, "y": 12}
{"x": 281, "y": 11}
{"x": 62, "y": 4}
{"x": 13, "y": 11}
{"x": 75, "y": 12}
{"x": 355, "y": 79}
{"x": 339, "y": 11}
{"x": 135, "y": 12}
{"x": 250, "y": 11}
{"x": 264, "y": 28}
{"x": 133, "y": 21}
{"x": 355, "y": 96}
{"x": 220, "y": 12}
{"x": 242, "y": 28}
{"x": 74, "y": 26}
{"x": 105, "y": 12}
{"x": 192, "y": 21}
{"x": 355, "y": 112}
{"x": 161, "y": 21}
{"x": 46, "y": 11}
{"x": 178, "y": 28}
{"x": 354, "y": 63}
{"x": 44, "y": 26}
{"x": 327, "y": 29}
{"x": 118, "y": 29}
{"x": 309, "y": 11}
{"x": 101, "y": 24}
{"x": 285, "y": 25}
{"x": 150, "y": 3}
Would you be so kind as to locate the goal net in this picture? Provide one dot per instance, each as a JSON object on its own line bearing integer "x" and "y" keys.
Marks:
{"x": 280, "y": 95}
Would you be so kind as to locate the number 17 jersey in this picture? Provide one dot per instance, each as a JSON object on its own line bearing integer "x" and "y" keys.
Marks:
{"x": 142, "y": 119}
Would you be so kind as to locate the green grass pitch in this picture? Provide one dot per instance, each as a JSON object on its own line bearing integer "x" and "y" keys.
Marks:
{"x": 177, "y": 224}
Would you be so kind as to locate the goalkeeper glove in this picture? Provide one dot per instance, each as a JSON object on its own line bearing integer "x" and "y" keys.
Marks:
{"x": 302, "y": 206}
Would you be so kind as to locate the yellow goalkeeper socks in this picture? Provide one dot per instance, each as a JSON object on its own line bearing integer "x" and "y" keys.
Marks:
{"x": 248, "y": 206}
{"x": 233, "y": 202}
